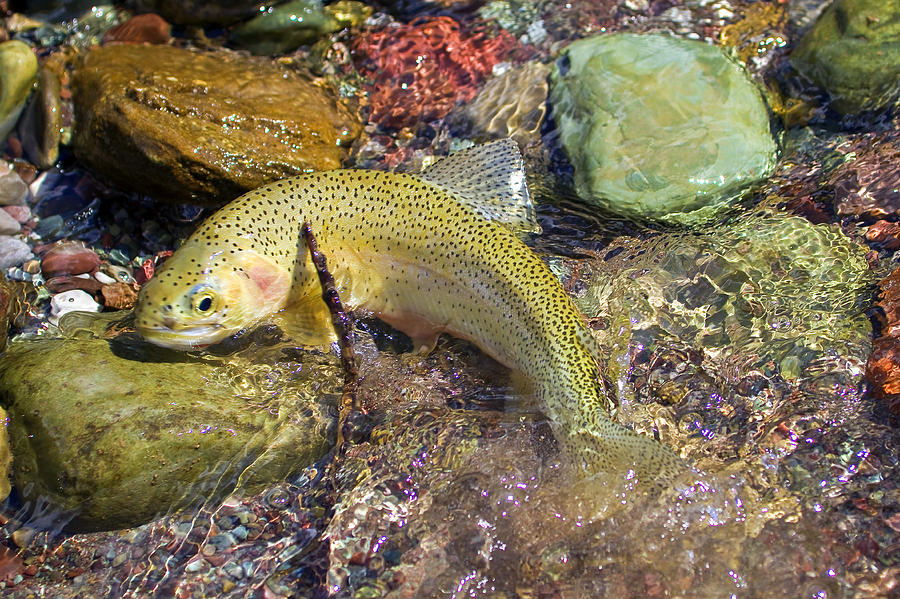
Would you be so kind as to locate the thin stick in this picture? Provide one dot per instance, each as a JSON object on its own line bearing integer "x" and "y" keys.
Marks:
{"x": 343, "y": 325}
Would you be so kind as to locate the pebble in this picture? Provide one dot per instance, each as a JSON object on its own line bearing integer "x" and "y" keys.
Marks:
{"x": 71, "y": 301}
{"x": 22, "y": 214}
{"x": 70, "y": 258}
{"x": 8, "y": 225}
{"x": 13, "y": 252}
{"x": 13, "y": 190}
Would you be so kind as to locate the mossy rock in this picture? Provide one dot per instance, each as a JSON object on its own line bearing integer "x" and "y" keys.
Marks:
{"x": 110, "y": 433}
{"x": 853, "y": 52}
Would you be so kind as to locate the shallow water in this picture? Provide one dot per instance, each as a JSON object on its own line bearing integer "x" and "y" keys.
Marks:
{"x": 741, "y": 344}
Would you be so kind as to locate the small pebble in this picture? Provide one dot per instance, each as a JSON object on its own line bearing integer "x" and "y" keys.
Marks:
{"x": 13, "y": 252}
{"x": 22, "y": 214}
{"x": 8, "y": 225}
{"x": 71, "y": 301}
{"x": 13, "y": 189}
{"x": 104, "y": 278}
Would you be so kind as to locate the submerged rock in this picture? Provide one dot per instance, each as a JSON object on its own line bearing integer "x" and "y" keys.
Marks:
{"x": 288, "y": 26}
{"x": 13, "y": 251}
{"x": 18, "y": 74}
{"x": 199, "y": 127}
{"x": 117, "y": 432}
{"x": 74, "y": 300}
{"x": 511, "y": 105}
{"x": 765, "y": 292}
{"x": 659, "y": 127}
{"x": 853, "y": 52}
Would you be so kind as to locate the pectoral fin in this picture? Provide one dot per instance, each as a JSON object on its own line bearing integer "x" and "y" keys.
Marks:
{"x": 307, "y": 321}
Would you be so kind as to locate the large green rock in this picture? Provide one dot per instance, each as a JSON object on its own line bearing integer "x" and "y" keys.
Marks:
{"x": 659, "y": 127}
{"x": 853, "y": 52}
{"x": 111, "y": 433}
{"x": 202, "y": 127}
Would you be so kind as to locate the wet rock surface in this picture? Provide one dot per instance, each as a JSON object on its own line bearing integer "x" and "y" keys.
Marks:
{"x": 853, "y": 52}
{"x": 658, "y": 127}
{"x": 109, "y": 439}
{"x": 512, "y": 104}
{"x": 199, "y": 127}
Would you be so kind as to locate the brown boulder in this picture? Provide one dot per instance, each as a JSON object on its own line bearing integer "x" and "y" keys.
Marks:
{"x": 202, "y": 127}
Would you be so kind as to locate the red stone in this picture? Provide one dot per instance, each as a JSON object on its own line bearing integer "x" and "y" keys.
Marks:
{"x": 69, "y": 258}
{"x": 884, "y": 234}
{"x": 68, "y": 283}
{"x": 419, "y": 71}
{"x": 148, "y": 28}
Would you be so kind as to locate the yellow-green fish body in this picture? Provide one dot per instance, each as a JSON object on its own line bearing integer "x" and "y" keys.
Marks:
{"x": 422, "y": 252}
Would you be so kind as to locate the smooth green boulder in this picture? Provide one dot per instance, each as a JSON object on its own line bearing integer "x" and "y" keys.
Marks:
{"x": 110, "y": 433}
{"x": 18, "y": 74}
{"x": 853, "y": 52}
{"x": 658, "y": 127}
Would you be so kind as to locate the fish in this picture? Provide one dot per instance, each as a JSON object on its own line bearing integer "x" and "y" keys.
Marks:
{"x": 436, "y": 252}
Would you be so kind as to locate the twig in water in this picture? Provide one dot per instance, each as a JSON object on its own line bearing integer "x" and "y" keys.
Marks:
{"x": 350, "y": 408}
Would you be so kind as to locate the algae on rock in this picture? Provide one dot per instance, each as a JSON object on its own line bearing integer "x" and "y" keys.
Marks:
{"x": 201, "y": 127}
{"x": 117, "y": 432}
{"x": 659, "y": 127}
{"x": 853, "y": 52}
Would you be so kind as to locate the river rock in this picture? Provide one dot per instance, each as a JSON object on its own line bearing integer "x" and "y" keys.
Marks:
{"x": 8, "y": 225}
{"x": 659, "y": 127}
{"x": 200, "y": 127}
{"x": 117, "y": 431}
{"x": 18, "y": 73}
{"x": 853, "y": 52}
{"x": 768, "y": 291}
{"x": 288, "y": 26}
{"x": 512, "y": 104}
{"x": 73, "y": 300}
{"x": 13, "y": 251}
{"x": 69, "y": 258}
{"x": 13, "y": 190}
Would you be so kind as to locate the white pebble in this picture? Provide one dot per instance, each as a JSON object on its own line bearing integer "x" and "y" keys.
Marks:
{"x": 75, "y": 300}
{"x": 104, "y": 278}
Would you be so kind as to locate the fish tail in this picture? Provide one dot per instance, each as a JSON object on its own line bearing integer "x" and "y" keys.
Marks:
{"x": 600, "y": 446}
{"x": 595, "y": 443}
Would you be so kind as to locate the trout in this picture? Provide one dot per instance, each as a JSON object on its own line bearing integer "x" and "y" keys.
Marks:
{"x": 430, "y": 253}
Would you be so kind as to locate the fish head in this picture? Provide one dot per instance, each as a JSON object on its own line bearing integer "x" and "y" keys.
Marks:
{"x": 192, "y": 303}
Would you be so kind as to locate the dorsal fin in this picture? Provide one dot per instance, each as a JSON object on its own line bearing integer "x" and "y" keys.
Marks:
{"x": 490, "y": 179}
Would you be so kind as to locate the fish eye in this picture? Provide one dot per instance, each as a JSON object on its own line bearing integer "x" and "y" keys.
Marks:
{"x": 203, "y": 301}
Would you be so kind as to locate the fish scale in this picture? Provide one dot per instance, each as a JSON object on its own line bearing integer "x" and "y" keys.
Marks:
{"x": 424, "y": 256}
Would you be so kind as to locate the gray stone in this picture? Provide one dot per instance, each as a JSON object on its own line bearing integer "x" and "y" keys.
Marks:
{"x": 8, "y": 225}
{"x": 13, "y": 190}
{"x": 13, "y": 252}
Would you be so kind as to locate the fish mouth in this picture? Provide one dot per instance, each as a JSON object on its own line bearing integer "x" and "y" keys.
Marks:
{"x": 190, "y": 339}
